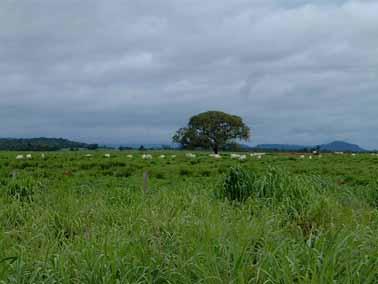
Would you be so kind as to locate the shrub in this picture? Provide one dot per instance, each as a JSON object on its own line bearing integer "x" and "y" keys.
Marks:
{"x": 22, "y": 189}
{"x": 184, "y": 172}
{"x": 158, "y": 174}
{"x": 276, "y": 188}
{"x": 238, "y": 185}
{"x": 205, "y": 173}
{"x": 125, "y": 172}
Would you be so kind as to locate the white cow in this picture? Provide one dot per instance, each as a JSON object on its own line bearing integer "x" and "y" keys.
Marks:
{"x": 235, "y": 156}
{"x": 190, "y": 155}
{"x": 129, "y": 156}
{"x": 107, "y": 155}
{"x": 162, "y": 156}
{"x": 257, "y": 154}
{"x": 28, "y": 156}
{"x": 215, "y": 156}
{"x": 242, "y": 157}
{"x": 146, "y": 157}
{"x": 19, "y": 157}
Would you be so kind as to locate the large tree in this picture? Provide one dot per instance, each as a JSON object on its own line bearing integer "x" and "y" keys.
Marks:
{"x": 212, "y": 129}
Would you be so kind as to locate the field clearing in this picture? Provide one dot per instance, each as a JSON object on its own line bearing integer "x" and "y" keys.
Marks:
{"x": 69, "y": 218}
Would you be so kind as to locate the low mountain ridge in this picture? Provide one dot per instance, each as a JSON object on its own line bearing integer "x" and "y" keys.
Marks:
{"x": 336, "y": 146}
{"x": 341, "y": 146}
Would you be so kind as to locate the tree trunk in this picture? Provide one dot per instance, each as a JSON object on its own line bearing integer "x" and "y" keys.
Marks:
{"x": 215, "y": 149}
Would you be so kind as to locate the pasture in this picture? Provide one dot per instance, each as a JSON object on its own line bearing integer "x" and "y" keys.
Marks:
{"x": 81, "y": 217}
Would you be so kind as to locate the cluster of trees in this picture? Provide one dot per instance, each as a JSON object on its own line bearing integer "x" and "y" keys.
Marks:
{"x": 42, "y": 144}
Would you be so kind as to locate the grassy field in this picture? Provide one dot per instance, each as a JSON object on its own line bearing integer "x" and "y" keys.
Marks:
{"x": 68, "y": 218}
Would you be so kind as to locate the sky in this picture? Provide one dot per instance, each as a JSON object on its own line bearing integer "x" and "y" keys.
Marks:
{"x": 126, "y": 71}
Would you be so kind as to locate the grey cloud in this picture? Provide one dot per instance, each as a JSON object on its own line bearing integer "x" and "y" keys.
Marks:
{"x": 134, "y": 71}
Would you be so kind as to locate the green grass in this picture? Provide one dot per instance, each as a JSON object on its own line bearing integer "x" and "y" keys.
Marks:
{"x": 74, "y": 219}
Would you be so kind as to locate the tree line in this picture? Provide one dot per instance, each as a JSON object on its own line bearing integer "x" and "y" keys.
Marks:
{"x": 42, "y": 144}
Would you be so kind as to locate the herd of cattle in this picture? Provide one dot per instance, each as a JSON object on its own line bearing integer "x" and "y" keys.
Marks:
{"x": 149, "y": 156}
{"x": 240, "y": 157}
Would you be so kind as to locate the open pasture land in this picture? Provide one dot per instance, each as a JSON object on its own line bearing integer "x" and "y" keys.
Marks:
{"x": 72, "y": 218}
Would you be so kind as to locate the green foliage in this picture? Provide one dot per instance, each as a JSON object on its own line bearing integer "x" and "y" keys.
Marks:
{"x": 22, "y": 188}
{"x": 238, "y": 185}
{"x": 212, "y": 130}
{"x": 275, "y": 187}
{"x": 185, "y": 172}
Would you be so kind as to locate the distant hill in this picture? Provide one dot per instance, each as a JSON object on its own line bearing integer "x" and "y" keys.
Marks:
{"x": 336, "y": 146}
{"x": 41, "y": 144}
{"x": 341, "y": 146}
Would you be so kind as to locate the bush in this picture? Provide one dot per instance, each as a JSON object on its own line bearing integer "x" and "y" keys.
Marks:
{"x": 276, "y": 188}
{"x": 22, "y": 189}
{"x": 238, "y": 185}
{"x": 205, "y": 173}
{"x": 125, "y": 172}
{"x": 158, "y": 174}
{"x": 185, "y": 172}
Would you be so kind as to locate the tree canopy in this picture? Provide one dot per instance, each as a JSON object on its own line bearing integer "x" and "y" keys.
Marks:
{"x": 212, "y": 130}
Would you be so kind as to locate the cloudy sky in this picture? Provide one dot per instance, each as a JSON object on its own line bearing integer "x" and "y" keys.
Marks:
{"x": 127, "y": 71}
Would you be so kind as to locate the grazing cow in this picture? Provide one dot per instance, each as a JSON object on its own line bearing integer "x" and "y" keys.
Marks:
{"x": 242, "y": 157}
{"x": 42, "y": 155}
{"x": 129, "y": 156}
{"x": 19, "y": 157}
{"x": 235, "y": 156}
{"x": 28, "y": 156}
{"x": 190, "y": 155}
{"x": 107, "y": 155}
{"x": 215, "y": 156}
{"x": 88, "y": 155}
{"x": 162, "y": 156}
{"x": 257, "y": 155}
{"x": 302, "y": 156}
{"x": 146, "y": 157}
{"x": 173, "y": 156}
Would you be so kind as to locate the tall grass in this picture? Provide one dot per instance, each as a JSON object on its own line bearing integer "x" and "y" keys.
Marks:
{"x": 87, "y": 227}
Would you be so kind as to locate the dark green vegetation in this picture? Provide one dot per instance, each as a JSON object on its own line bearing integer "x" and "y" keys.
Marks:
{"x": 212, "y": 130}
{"x": 41, "y": 144}
{"x": 75, "y": 219}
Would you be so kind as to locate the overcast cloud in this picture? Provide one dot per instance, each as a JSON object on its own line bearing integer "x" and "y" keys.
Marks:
{"x": 127, "y": 71}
